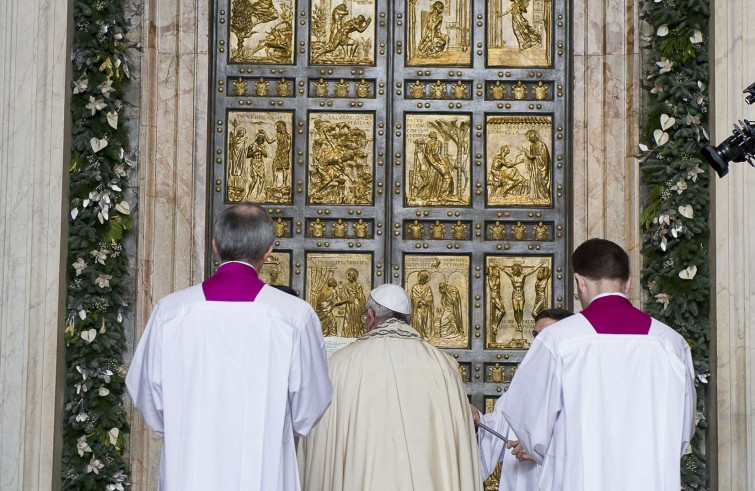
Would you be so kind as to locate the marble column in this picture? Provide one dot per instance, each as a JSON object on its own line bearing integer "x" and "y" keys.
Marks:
{"x": 605, "y": 96}
{"x": 35, "y": 40}
{"x": 172, "y": 175}
{"x": 733, "y": 226}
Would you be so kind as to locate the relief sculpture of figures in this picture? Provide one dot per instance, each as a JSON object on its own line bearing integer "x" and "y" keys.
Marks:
{"x": 259, "y": 157}
{"x": 262, "y": 31}
{"x": 519, "y": 32}
{"x": 525, "y": 281}
{"x": 519, "y": 160}
{"x": 439, "y": 290}
{"x": 438, "y": 152}
{"x": 341, "y": 162}
{"x": 343, "y": 34}
{"x": 438, "y": 32}
{"x": 337, "y": 294}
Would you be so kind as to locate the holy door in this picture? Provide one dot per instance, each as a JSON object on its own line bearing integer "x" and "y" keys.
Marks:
{"x": 417, "y": 142}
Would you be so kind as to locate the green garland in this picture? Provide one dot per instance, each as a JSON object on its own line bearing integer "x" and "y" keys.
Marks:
{"x": 95, "y": 422}
{"x": 675, "y": 180}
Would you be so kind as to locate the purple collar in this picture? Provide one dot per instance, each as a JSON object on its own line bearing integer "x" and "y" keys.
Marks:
{"x": 614, "y": 314}
{"x": 232, "y": 282}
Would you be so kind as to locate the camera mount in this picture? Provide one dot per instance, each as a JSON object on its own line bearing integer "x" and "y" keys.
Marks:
{"x": 739, "y": 147}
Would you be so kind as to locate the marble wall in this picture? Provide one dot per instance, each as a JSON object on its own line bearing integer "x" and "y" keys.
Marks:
{"x": 733, "y": 243}
{"x": 34, "y": 155}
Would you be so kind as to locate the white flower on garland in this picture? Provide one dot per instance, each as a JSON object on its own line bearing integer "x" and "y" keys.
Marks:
{"x": 95, "y": 104}
{"x": 80, "y": 265}
{"x": 680, "y": 186}
{"x": 686, "y": 211}
{"x": 664, "y": 299}
{"x": 106, "y": 88}
{"x": 696, "y": 37}
{"x": 665, "y": 65}
{"x": 80, "y": 86}
{"x": 676, "y": 229}
{"x": 688, "y": 273}
{"x": 81, "y": 417}
{"x": 103, "y": 280}
{"x": 82, "y": 446}
{"x": 662, "y": 31}
{"x": 693, "y": 173}
{"x": 99, "y": 256}
{"x": 113, "y": 435}
{"x": 94, "y": 466}
{"x": 103, "y": 391}
{"x": 116, "y": 486}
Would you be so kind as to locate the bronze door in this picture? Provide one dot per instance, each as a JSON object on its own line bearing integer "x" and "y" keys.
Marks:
{"x": 419, "y": 142}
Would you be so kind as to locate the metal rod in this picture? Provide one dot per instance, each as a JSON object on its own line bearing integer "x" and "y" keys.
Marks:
{"x": 492, "y": 431}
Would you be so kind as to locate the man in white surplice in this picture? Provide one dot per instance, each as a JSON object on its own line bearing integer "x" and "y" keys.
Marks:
{"x": 228, "y": 372}
{"x": 400, "y": 418}
{"x": 519, "y": 471}
{"x": 605, "y": 400}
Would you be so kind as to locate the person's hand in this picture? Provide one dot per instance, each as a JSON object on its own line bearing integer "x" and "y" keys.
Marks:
{"x": 475, "y": 412}
{"x": 518, "y": 451}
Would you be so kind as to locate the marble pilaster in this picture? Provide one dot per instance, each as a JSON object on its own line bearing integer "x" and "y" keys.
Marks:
{"x": 733, "y": 227}
{"x": 35, "y": 38}
{"x": 172, "y": 174}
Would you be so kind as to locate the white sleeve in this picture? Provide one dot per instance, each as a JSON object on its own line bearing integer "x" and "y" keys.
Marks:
{"x": 144, "y": 378}
{"x": 492, "y": 448}
{"x": 533, "y": 402}
{"x": 309, "y": 387}
{"x": 690, "y": 401}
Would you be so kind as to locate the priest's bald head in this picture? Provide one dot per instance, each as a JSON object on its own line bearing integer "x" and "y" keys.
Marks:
{"x": 600, "y": 266}
{"x": 244, "y": 232}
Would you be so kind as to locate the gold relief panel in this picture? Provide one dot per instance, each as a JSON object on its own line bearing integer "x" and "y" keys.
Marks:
{"x": 259, "y": 156}
{"x": 337, "y": 286}
{"x": 517, "y": 288}
{"x": 341, "y": 161}
{"x": 438, "y": 33}
{"x": 518, "y": 160}
{"x": 277, "y": 269}
{"x": 437, "y": 159}
{"x": 342, "y": 33}
{"x": 439, "y": 289}
{"x": 519, "y": 33}
{"x": 262, "y": 31}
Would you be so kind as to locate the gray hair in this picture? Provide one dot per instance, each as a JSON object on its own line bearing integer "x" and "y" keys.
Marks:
{"x": 383, "y": 313}
{"x": 243, "y": 232}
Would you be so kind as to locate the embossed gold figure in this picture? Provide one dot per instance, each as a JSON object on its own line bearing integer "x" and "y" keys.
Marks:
{"x": 415, "y": 230}
{"x": 237, "y": 143}
{"x": 497, "y": 309}
{"x": 438, "y": 32}
{"x": 459, "y": 231}
{"x": 362, "y": 88}
{"x": 541, "y": 231}
{"x": 463, "y": 373}
{"x": 505, "y": 179}
{"x": 336, "y": 39}
{"x": 519, "y": 90}
{"x": 437, "y": 230}
{"x": 339, "y": 229}
{"x": 325, "y": 305}
{"x": 352, "y": 294}
{"x": 261, "y": 87}
{"x": 342, "y": 88}
{"x": 451, "y": 322}
{"x": 283, "y": 88}
{"x": 433, "y": 41}
{"x": 360, "y": 229}
{"x": 496, "y": 373}
{"x": 280, "y": 228}
{"x": 261, "y": 22}
{"x": 539, "y": 166}
{"x": 321, "y": 88}
{"x": 240, "y": 86}
{"x": 317, "y": 229}
{"x": 417, "y": 90}
{"x": 497, "y": 231}
{"x": 541, "y": 290}
{"x": 518, "y": 231}
{"x": 280, "y": 190}
{"x": 498, "y": 91}
{"x": 540, "y": 91}
{"x": 518, "y": 274}
{"x": 256, "y": 152}
{"x": 423, "y": 306}
{"x": 459, "y": 90}
{"x": 526, "y": 35}
{"x": 438, "y": 90}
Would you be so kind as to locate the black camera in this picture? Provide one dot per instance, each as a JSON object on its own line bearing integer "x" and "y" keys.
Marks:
{"x": 739, "y": 147}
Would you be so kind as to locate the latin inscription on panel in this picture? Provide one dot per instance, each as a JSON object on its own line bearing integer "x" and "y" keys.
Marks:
{"x": 437, "y": 160}
{"x": 438, "y": 33}
{"x": 519, "y": 167}
{"x": 340, "y": 158}
{"x": 518, "y": 288}
{"x": 337, "y": 286}
{"x": 439, "y": 289}
{"x": 258, "y": 168}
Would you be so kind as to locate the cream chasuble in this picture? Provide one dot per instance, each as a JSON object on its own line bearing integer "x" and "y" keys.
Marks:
{"x": 399, "y": 420}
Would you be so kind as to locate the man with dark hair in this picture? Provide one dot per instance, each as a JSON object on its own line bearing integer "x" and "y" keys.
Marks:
{"x": 606, "y": 400}
{"x": 519, "y": 471}
{"x": 399, "y": 418}
{"x": 230, "y": 371}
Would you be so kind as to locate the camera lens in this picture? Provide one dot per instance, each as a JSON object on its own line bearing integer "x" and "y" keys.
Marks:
{"x": 716, "y": 159}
